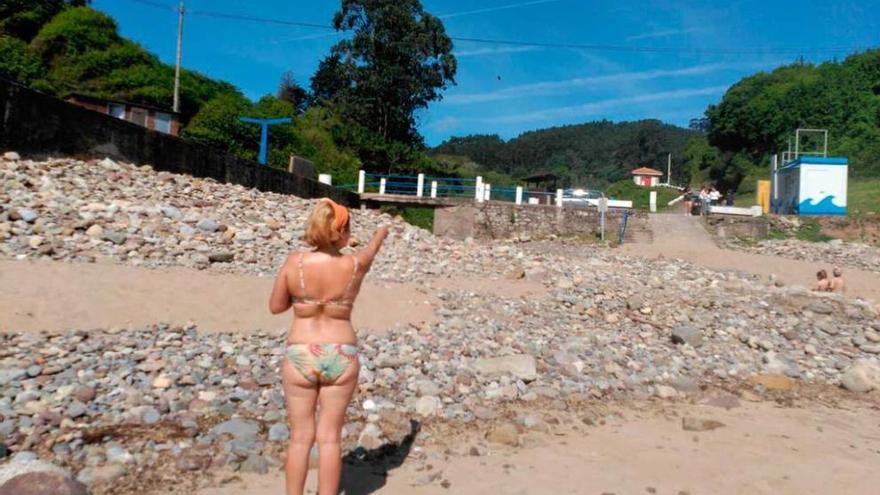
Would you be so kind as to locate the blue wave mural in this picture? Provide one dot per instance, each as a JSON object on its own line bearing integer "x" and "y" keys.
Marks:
{"x": 824, "y": 207}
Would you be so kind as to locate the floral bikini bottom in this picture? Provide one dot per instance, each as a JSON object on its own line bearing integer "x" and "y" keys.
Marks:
{"x": 322, "y": 362}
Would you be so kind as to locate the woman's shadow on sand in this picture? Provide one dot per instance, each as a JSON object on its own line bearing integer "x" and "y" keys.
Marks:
{"x": 366, "y": 471}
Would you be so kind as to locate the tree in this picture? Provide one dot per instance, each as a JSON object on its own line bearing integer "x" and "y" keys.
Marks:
{"x": 758, "y": 114}
{"x": 23, "y": 18}
{"x": 289, "y": 90}
{"x": 396, "y": 62}
{"x": 17, "y": 61}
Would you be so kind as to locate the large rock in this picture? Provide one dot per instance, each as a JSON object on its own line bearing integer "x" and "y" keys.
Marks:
{"x": 504, "y": 434}
{"x": 687, "y": 334}
{"x": 239, "y": 428}
{"x": 38, "y": 478}
{"x": 428, "y": 405}
{"x": 521, "y": 366}
{"x": 862, "y": 376}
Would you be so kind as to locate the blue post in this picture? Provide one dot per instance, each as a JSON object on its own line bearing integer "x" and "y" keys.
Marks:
{"x": 264, "y": 133}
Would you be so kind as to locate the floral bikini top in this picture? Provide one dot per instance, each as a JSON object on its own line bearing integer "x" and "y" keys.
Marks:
{"x": 344, "y": 300}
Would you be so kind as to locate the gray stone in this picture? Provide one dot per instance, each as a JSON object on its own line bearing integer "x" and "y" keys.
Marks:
{"x": 118, "y": 454}
{"x": 821, "y": 307}
{"x": 101, "y": 475}
{"x": 9, "y": 375}
{"x": 221, "y": 257}
{"x": 76, "y": 409}
{"x": 186, "y": 230}
{"x": 24, "y": 456}
{"x": 255, "y": 464}
{"x": 240, "y": 429}
{"x": 207, "y": 225}
{"x": 114, "y": 237}
{"x": 862, "y": 376}
{"x": 34, "y": 370}
{"x": 4, "y": 450}
{"x": 521, "y": 366}
{"x": 687, "y": 334}
{"x": 150, "y": 416}
{"x": 28, "y": 215}
{"x": 871, "y": 348}
{"x": 11, "y": 156}
{"x": 279, "y": 432}
{"x": 171, "y": 212}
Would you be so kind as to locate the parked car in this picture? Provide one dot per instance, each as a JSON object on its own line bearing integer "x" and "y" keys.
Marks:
{"x": 582, "y": 196}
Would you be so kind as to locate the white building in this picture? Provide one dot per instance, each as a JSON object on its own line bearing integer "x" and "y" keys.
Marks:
{"x": 647, "y": 177}
{"x": 811, "y": 185}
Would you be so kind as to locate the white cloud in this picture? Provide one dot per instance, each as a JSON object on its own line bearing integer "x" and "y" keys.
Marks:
{"x": 595, "y": 107}
{"x": 555, "y": 87}
{"x": 495, "y": 9}
{"x": 664, "y": 33}
{"x": 479, "y": 52}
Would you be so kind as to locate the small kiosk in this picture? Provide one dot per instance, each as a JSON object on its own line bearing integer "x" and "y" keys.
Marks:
{"x": 808, "y": 184}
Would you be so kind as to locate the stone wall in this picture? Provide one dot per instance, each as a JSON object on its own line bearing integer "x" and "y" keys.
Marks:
{"x": 728, "y": 226}
{"x": 498, "y": 220}
{"x": 36, "y": 123}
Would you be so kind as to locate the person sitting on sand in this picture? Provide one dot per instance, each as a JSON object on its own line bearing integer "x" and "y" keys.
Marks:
{"x": 321, "y": 355}
{"x": 822, "y": 282}
{"x": 836, "y": 284}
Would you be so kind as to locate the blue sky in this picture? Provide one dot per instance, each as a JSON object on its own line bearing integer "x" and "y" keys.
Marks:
{"x": 506, "y": 89}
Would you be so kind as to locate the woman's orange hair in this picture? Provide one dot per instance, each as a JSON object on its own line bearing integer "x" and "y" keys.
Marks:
{"x": 327, "y": 223}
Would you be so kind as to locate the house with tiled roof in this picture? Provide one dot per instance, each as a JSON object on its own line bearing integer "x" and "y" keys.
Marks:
{"x": 647, "y": 177}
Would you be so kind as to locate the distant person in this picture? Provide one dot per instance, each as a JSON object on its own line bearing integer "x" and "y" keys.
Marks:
{"x": 714, "y": 196}
{"x": 321, "y": 354}
{"x": 688, "y": 202}
{"x": 704, "y": 201}
{"x": 729, "y": 198}
{"x": 822, "y": 282}
{"x": 837, "y": 284}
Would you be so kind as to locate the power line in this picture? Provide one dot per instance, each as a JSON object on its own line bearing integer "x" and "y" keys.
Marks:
{"x": 540, "y": 44}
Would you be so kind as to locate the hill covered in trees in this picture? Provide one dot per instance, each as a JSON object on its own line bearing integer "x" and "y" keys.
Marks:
{"x": 64, "y": 46}
{"x": 592, "y": 154}
{"x": 757, "y": 116}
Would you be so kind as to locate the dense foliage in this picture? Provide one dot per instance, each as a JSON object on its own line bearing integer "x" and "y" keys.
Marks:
{"x": 759, "y": 114}
{"x": 397, "y": 60}
{"x": 23, "y": 18}
{"x": 585, "y": 155}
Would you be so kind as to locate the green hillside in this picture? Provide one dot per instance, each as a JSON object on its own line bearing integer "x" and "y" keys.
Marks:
{"x": 593, "y": 154}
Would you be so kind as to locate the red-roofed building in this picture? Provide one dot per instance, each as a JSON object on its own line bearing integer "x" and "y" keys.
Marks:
{"x": 647, "y": 177}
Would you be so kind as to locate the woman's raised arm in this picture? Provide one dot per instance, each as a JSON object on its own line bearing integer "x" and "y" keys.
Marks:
{"x": 368, "y": 254}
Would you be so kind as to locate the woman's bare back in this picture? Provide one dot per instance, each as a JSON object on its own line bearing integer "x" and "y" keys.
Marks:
{"x": 323, "y": 289}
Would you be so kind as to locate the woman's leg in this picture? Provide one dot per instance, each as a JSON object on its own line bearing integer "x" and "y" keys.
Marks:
{"x": 333, "y": 398}
{"x": 301, "y": 396}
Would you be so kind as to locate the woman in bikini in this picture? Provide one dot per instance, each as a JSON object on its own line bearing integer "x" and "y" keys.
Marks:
{"x": 321, "y": 364}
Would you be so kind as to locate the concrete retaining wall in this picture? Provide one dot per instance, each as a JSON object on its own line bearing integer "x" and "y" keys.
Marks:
{"x": 736, "y": 226}
{"x": 498, "y": 220}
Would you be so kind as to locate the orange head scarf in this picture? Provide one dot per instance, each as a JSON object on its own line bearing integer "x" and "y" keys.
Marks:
{"x": 340, "y": 215}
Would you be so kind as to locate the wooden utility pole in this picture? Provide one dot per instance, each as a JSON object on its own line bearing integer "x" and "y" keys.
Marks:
{"x": 180, "y": 11}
